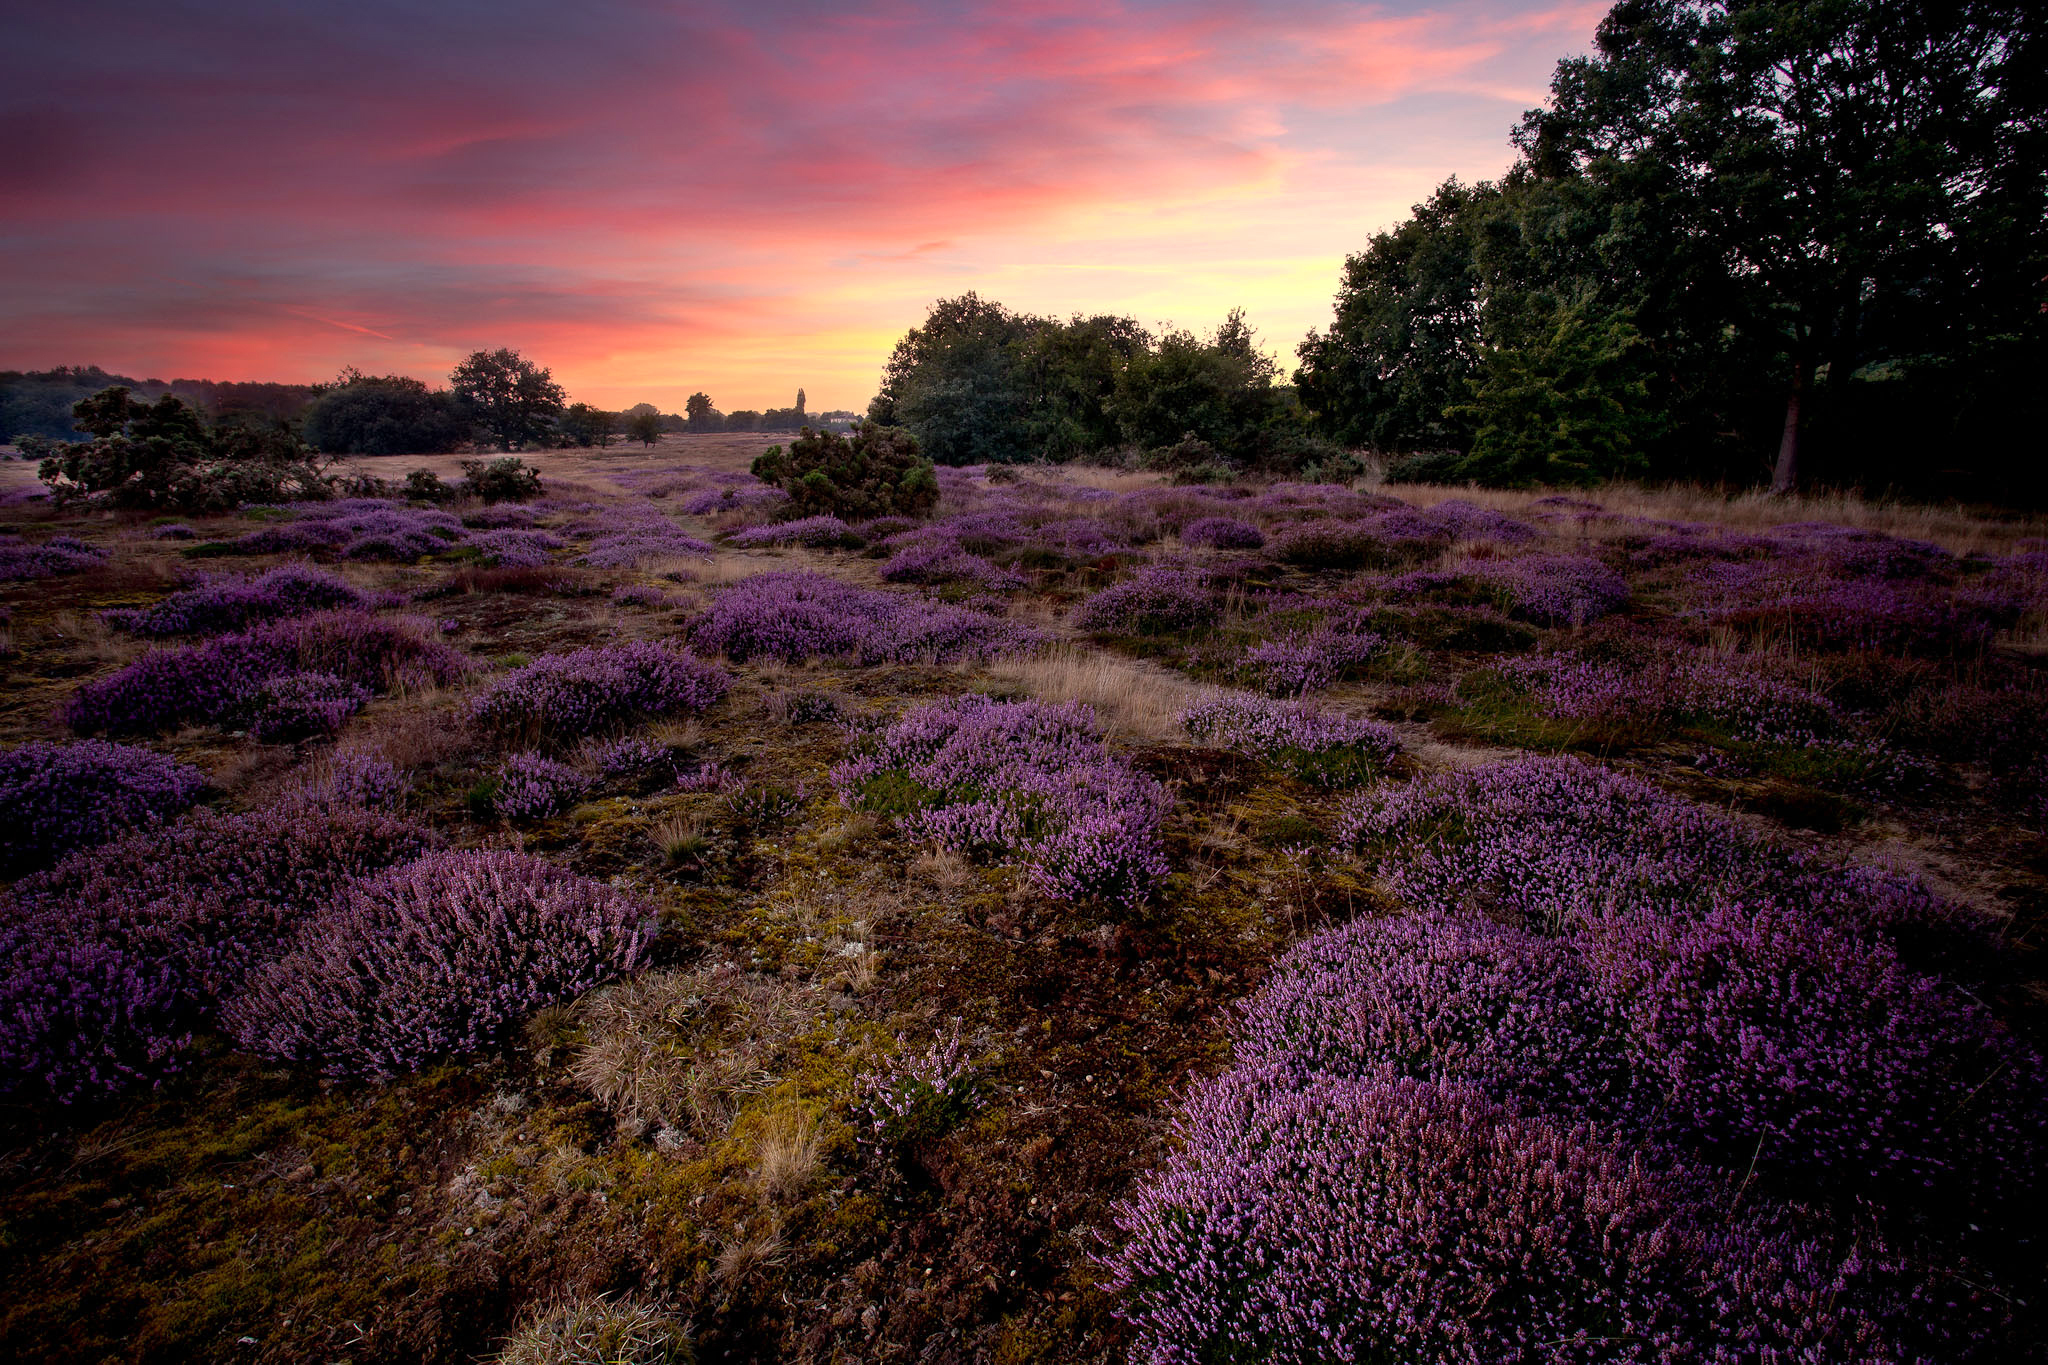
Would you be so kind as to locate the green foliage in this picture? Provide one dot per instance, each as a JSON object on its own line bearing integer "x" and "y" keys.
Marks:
{"x": 1731, "y": 215}
{"x": 584, "y": 425}
{"x": 165, "y": 456}
{"x": 514, "y": 401}
{"x": 644, "y": 427}
{"x": 507, "y": 479}
{"x": 1569, "y": 406}
{"x": 1218, "y": 391}
{"x": 391, "y": 415}
{"x": 875, "y": 472}
{"x": 424, "y": 485}
{"x": 701, "y": 415}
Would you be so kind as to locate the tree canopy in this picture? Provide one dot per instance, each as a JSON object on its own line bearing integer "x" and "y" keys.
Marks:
{"x": 1794, "y": 236}
{"x": 514, "y": 400}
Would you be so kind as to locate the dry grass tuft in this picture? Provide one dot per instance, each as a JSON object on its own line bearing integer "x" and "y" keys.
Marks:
{"x": 790, "y": 1155}
{"x": 682, "y": 838}
{"x": 745, "y": 1257}
{"x": 1133, "y": 700}
{"x": 591, "y": 1329}
{"x": 944, "y": 868}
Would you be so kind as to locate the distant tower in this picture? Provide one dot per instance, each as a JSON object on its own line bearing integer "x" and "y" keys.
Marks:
{"x": 799, "y": 402}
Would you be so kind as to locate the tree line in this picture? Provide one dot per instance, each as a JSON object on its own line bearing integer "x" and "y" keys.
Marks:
{"x": 1794, "y": 240}
{"x": 493, "y": 398}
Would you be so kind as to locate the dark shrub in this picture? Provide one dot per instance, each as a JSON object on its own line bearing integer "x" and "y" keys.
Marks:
{"x": 875, "y": 472}
{"x": 57, "y": 798}
{"x": 388, "y": 415}
{"x": 506, "y": 479}
{"x": 440, "y": 955}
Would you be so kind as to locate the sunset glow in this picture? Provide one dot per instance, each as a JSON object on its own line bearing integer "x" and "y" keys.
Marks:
{"x": 658, "y": 198}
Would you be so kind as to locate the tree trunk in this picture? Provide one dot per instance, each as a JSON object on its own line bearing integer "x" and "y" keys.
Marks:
{"x": 1785, "y": 479}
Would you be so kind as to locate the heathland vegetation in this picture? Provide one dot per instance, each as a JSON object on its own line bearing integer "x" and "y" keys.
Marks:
{"x": 896, "y": 895}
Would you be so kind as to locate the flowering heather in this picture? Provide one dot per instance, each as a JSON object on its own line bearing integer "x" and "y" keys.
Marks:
{"x": 1789, "y": 600}
{"x": 1813, "y": 1056}
{"x": 440, "y": 955}
{"x": 800, "y": 616}
{"x": 20, "y": 559}
{"x": 1468, "y": 521}
{"x": 356, "y": 777}
{"x": 1393, "y": 1219}
{"x": 57, "y": 798}
{"x": 176, "y": 530}
{"x": 1223, "y": 533}
{"x": 513, "y": 548}
{"x": 1154, "y": 601}
{"x": 356, "y": 528}
{"x": 225, "y": 604}
{"x": 117, "y": 956}
{"x": 214, "y": 683}
{"x": 1024, "y": 780}
{"x": 820, "y": 533}
{"x": 715, "y": 502}
{"x": 1301, "y": 662}
{"x": 1325, "y": 747}
{"x": 1442, "y": 997}
{"x": 644, "y": 544}
{"x": 1330, "y": 544}
{"x": 502, "y": 516}
{"x": 561, "y": 697}
{"x": 910, "y": 1099}
{"x": 533, "y": 787}
{"x": 1556, "y": 590}
{"x": 302, "y": 705}
{"x": 1680, "y": 687}
{"x": 641, "y": 595}
{"x": 932, "y": 564}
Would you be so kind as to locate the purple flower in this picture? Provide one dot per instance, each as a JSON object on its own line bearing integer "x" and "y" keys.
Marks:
{"x": 57, "y": 798}
{"x": 532, "y": 787}
{"x": 225, "y": 604}
{"x": 1155, "y": 601}
{"x": 1313, "y": 743}
{"x": 799, "y": 616}
{"x": 567, "y": 696}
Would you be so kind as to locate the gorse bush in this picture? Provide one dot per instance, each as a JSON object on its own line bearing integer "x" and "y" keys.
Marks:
{"x": 563, "y": 697}
{"x": 440, "y": 955}
{"x": 119, "y": 955}
{"x": 1028, "y": 781}
{"x": 226, "y": 604}
{"x": 57, "y": 798}
{"x": 800, "y": 616}
{"x": 219, "y": 682}
{"x": 875, "y": 472}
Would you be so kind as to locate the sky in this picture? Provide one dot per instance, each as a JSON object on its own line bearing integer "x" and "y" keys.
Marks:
{"x": 657, "y": 198}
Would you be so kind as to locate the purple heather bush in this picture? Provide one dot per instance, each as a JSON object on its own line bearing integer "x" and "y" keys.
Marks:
{"x": 1468, "y": 521}
{"x": 532, "y": 787}
{"x": 1734, "y": 693}
{"x": 225, "y": 604}
{"x": 1795, "y": 600}
{"x": 21, "y": 559}
{"x": 800, "y": 616}
{"x": 643, "y": 544}
{"x": 933, "y": 564}
{"x": 58, "y": 798}
{"x": 1027, "y": 781}
{"x": 1385, "y": 1219}
{"x": 114, "y": 959}
{"x": 440, "y": 955}
{"x": 302, "y": 706}
{"x": 215, "y": 683}
{"x": 1154, "y": 601}
{"x": 819, "y": 533}
{"x": 716, "y": 502}
{"x": 513, "y": 548}
{"x": 1308, "y": 661}
{"x": 641, "y": 595}
{"x": 1318, "y": 745}
{"x": 355, "y": 528}
{"x": 914, "y": 1098}
{"x": 355, "y": 777}
{"x": 176, "y": 530}
{"x": 563, "y": 697}
{"x": 1555, "y": 590}
{"x": 502, "y": 516}
{"x": 1223, "y": 533}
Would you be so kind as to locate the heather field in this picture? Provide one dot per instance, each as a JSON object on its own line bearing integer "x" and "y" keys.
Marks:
{"x": 1090, "y": 920}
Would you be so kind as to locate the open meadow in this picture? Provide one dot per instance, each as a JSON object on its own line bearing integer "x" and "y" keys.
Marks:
{"x": 1093, "y": 920}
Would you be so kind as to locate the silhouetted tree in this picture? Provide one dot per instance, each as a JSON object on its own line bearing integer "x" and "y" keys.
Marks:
{"x": 514, "y": 401}
{"x": 389, "y": 415}
{"x": 701, "y": 415}
{"x": 644, "y": 427}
